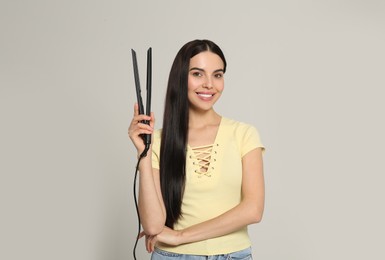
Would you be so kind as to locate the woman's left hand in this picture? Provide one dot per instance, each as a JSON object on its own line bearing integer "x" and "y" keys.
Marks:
{"x": 167, "y": 236}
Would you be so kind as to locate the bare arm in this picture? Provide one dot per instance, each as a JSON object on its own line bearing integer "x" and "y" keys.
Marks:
{"x": 248, "y": 211}
{"x": 151, "y": 208}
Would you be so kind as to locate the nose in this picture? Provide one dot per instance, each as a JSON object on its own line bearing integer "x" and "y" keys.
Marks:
{"x": 208, "y": 84}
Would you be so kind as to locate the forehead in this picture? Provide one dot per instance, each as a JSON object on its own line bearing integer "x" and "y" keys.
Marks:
{"x": 206, "y": 59}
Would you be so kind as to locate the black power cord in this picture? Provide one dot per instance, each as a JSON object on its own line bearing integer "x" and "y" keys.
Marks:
{"x": 144, "y": 154}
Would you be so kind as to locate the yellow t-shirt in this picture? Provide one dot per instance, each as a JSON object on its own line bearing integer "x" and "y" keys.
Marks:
{"x": 210, "y": 193}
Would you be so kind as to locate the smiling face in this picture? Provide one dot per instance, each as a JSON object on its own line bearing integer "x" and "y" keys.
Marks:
{"x": 205, "y": 80}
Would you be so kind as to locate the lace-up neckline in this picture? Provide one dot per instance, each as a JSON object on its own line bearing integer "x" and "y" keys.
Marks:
{"x": 202, "y": 155}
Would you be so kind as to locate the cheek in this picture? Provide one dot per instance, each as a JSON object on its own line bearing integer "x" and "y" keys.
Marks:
{"x": 193, "y": 83}
{"x": 221, "y": 86}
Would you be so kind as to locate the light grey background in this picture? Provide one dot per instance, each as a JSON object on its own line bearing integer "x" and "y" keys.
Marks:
{"x": 308, "y": 74}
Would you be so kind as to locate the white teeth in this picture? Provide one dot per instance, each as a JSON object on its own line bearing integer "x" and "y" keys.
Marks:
{"x": 205, "y": 95}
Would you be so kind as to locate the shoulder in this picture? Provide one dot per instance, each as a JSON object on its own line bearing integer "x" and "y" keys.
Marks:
{"x": 245, "y": 135}
{"x": 237, "y": 127}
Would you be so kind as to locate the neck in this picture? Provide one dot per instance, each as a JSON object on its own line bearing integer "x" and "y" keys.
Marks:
{"x": 200, "y": 119}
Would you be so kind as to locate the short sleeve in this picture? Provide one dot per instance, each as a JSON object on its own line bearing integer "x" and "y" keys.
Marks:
{"x": 250, "y": 140}
{"x": 156, "y": 149}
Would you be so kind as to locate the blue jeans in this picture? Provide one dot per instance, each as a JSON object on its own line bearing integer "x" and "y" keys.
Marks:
{"x": 244, "y": 254}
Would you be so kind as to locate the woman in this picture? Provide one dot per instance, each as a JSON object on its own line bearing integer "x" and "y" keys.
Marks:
{"x": 203, "y": 184}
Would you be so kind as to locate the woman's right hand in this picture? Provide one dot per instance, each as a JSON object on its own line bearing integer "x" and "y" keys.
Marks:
{"x": 137, "y": 128}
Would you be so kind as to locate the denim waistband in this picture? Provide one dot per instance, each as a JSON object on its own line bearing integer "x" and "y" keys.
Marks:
{"x": 159, "y": 254}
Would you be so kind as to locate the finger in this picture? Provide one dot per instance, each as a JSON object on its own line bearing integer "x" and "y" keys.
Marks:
{"x": 135, "y": 136}
{"x": 153, "y": 242}
{"x": 145, "y": 126}
{"x": 135, "y": 123}
{"x": 152, "y": 120}
{"x": 148, "y": 244}
{"x": 144, "y": 129}
{"x": 138, "y": 118}
{"x": 136, "y": 109}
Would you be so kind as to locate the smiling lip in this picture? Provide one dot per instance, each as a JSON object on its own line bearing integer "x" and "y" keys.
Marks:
{"x": 205, "y": 96}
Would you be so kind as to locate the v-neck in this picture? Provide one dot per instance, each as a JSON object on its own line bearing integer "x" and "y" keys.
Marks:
{"x": 203, "y": 157}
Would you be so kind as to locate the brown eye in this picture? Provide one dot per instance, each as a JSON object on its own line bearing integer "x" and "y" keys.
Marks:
{"x": 219, "y": 75}
{"x": 196, "y": 74}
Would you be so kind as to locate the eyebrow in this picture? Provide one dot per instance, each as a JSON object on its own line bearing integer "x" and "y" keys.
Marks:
{"x": 195, "y": 68}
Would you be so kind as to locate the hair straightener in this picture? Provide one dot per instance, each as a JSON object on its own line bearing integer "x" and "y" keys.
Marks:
{"x": 146, "y": 137}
